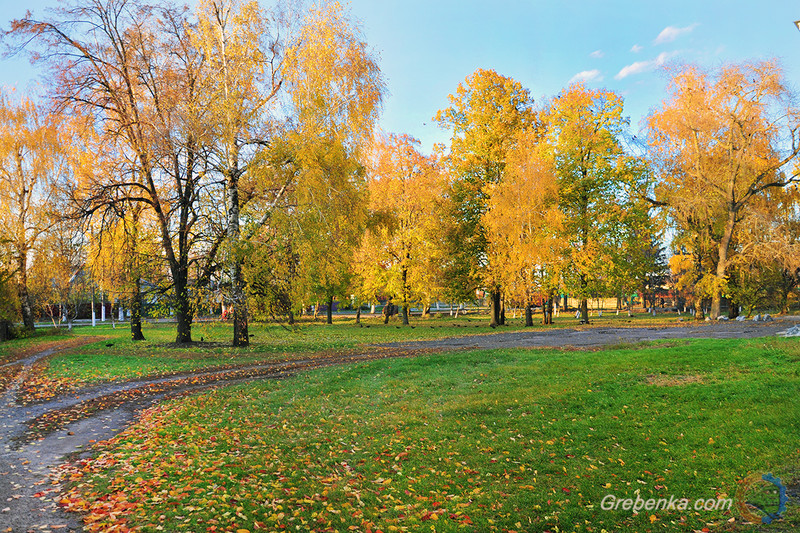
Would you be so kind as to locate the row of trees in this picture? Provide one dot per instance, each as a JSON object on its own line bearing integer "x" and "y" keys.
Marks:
{"x": 189, "y": 130}
{"x": 228, "y": 154}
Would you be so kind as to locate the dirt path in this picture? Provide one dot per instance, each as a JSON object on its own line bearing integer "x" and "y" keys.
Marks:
{"x": 34, "y": 438}
{"x": 588, "y": 336}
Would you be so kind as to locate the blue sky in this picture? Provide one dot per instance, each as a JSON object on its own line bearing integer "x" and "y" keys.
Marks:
{"x": 428, "y": 47}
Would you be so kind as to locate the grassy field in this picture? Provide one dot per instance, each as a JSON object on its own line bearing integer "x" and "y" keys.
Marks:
{"x": 116, "y": 357}
{"x": 514, "y": 440}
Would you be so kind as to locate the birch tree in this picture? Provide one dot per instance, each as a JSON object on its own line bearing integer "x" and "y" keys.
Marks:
{"x": 33, "y": 167}
{"x": 242, "y": 46}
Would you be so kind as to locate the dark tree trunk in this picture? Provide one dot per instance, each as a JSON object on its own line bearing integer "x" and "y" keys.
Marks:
{"x": 329, "y": 318}
{"x": 495, "y": 307}
{"x": 406, "y": 292}
{"x": 584, "y": 301}
{"x": 24, "y": 296}
{"x": 789, "y": 281}
{"x": 183, "y": 308}
{"x": 547, "y": 310}
{"x": 502, "y": 312}
{"x": 5, "y": 330}
{"x": 722, "y": 261}
{"x": 528, "y": 315}
{"x": 136, "y": 311}
{"x": 358, "y": 315}
{"x": 241, "y": 335}
{"x": 291, "y": 317}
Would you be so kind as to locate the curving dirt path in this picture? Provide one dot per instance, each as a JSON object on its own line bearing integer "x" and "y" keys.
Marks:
{"x": 35, "y": 438}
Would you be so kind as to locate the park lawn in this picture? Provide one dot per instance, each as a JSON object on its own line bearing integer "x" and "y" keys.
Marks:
{"x": 497, "y": 440}
{"x": 116, "y": 357}
{"x": 15, "y": 349}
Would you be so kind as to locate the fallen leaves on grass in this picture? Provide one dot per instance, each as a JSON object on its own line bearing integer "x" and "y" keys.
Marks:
{"x": 56, "y": 419}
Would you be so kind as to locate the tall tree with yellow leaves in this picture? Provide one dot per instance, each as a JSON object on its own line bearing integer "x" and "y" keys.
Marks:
{"x": 33, "y": 167}
{"x": 132, "y": 66}
{"x": 599, "y": 185}
{"x": 239, "y": 87}
{"x": 398, "y": 256}
{"x": 524, "y": 226}
{"x": 722, "y": 140}
{"x": 485, "y": 114}
{"x": 337, "y": 90}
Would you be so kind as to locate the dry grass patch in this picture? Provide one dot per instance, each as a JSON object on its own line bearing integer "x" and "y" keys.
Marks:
{"x": 666, "y": 380}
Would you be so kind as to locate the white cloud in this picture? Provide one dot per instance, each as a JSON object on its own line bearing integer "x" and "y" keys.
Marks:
{"x": 670, "y": 33}
{"x": 597, "y": 54}
{"x": 642, "y": 66}
{"x": 586, "y": 76}
{"x": 636, "y": 48}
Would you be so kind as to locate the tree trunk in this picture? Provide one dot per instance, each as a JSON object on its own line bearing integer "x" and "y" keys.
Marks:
{"x": 529, "y": 315}
{"x": 733, "y": 309}
{"x": 241, "y": 334}
{"x": 238, "y": 295}
{"x": 547, "y": 310}
{"x": 24, "y": 296}
{"x": 788, "y": 284}
{"x": 722, "y": 264}
{"x": 494, "y": 296}
{"x": 291, "y": 317}
{"x": 584, "y": 305}
{"x": 329, "y": 317}
{"x": 136, "y": 311}
{"x": 358, "y": 315}
{"x": 502, "y": 311}
{"x": 183, "y": 308}
{"x": 699, "y": 312}
{"x": 544, "y": 313}
{"x": 406, "y": 292}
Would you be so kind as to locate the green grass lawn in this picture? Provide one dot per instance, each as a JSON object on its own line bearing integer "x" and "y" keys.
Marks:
{"x": 500, "y": 440}
{"x": 126, "y": 359}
